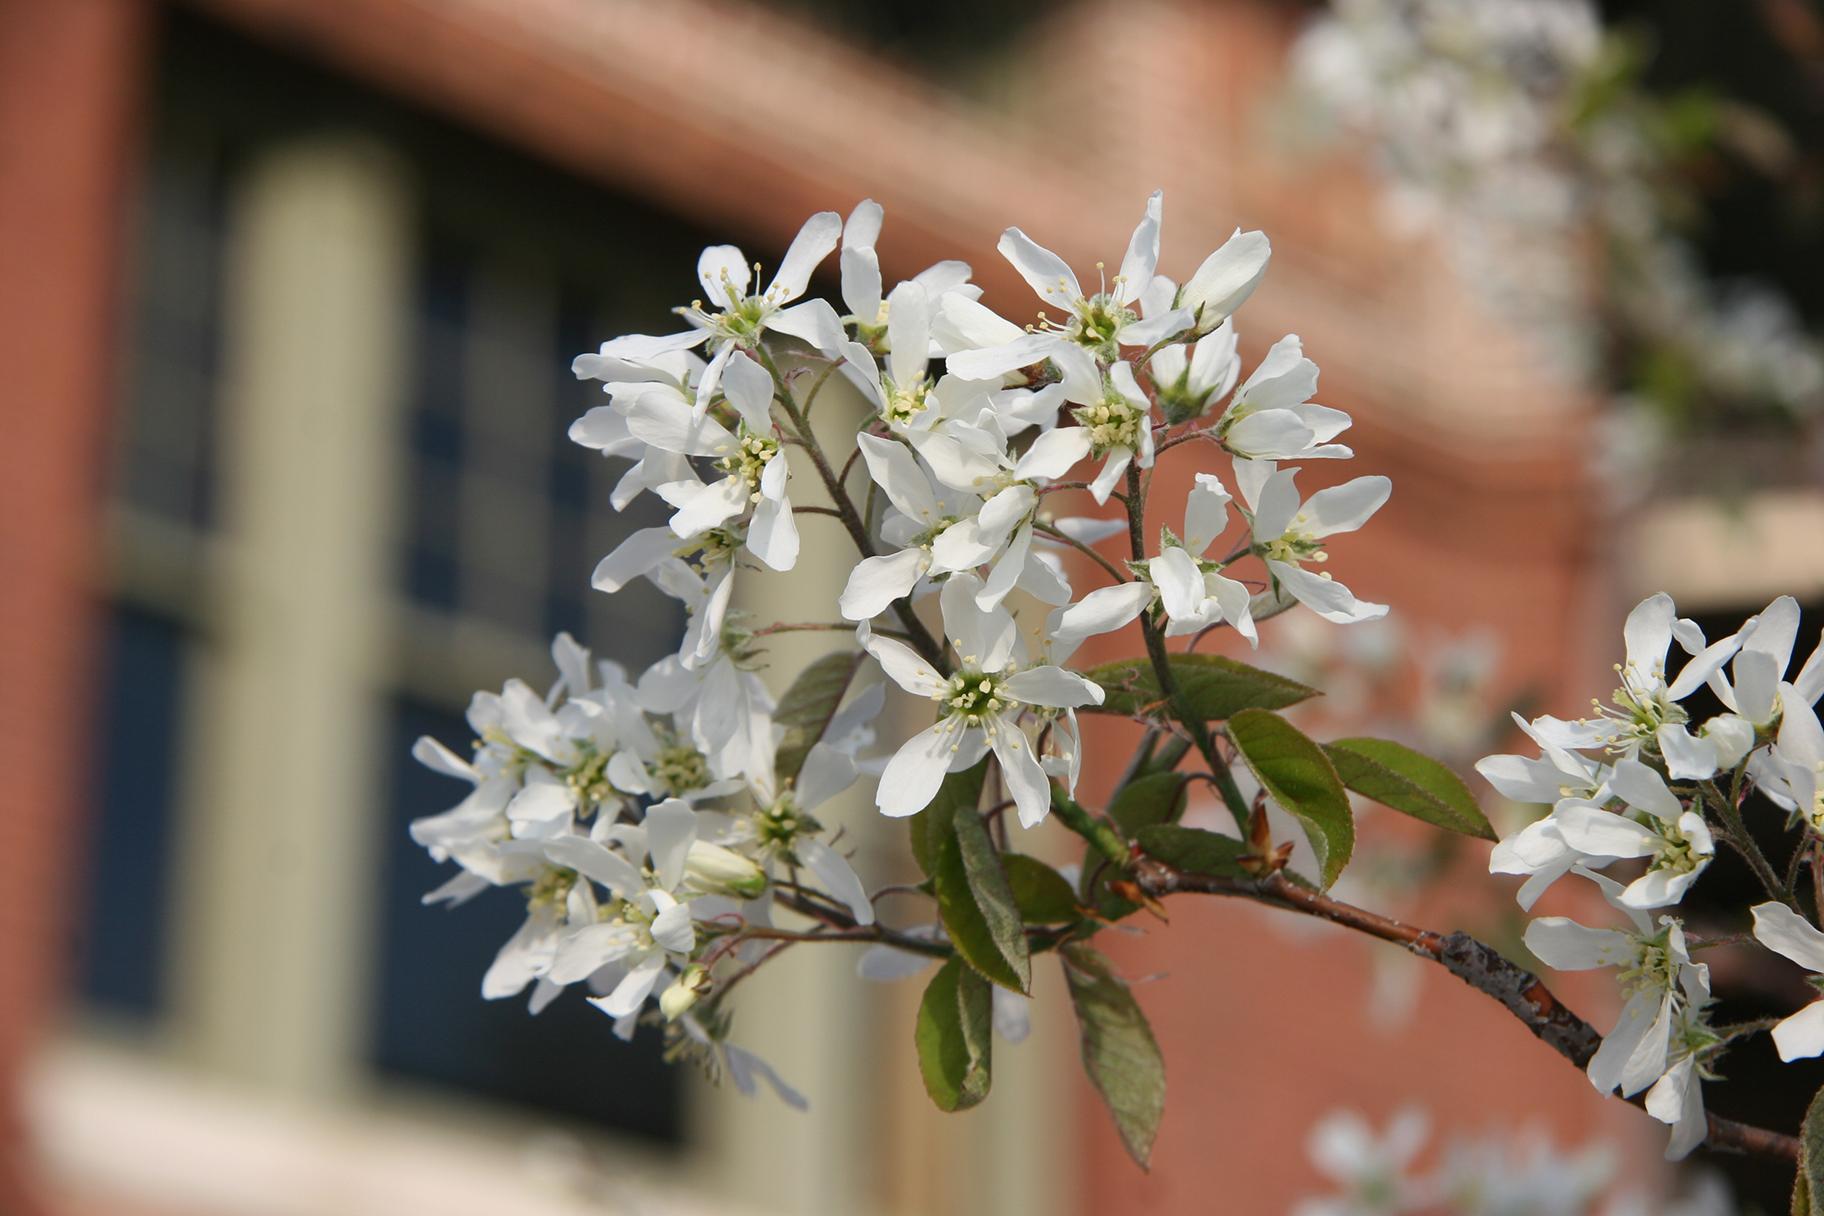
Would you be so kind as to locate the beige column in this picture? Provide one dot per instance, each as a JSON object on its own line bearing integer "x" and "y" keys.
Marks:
{"x": 277, "y": 902}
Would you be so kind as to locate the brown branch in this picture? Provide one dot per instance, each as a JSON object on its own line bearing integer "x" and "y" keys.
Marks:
{"x": 1477, "y": 964}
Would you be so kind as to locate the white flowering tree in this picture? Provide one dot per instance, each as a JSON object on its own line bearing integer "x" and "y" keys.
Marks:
{"x": 669, "y": 833}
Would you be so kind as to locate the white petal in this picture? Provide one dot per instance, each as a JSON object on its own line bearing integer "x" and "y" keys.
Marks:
{"x": 639, "y": 554}
{"x": 1054, "y": 687}
{"x": 1325, "y": 596}
{"x": 1142, "y": 256}
{"x": 1688, "y": 758}
{"x": 1784, "y": 931}
{"x": 813, "y": 321}
{"x": 1053, "y": 454}
{"x": 910, "y": 780}
{"x": 812, "y": 244}
{"x": 1645, "y": 790}
{"x": 670, "y": 826}
{"x": 440, "y": 759}
{"x": 674, "y": 929}
{"x": 596, "y": 861}
{"x": 1227, "y": 277}
{"x": 724, "y": 273}
{"x": 1101, "y": 611}
{"x": 984, "y": 638}
{"x": 836, "y": 876}
{"x": 908, "y": 334}
{"x": 749, "y": 389}
{"x": 1801, "y": 1036}
{"x": 772, "y": 535}
{"x": 904, "y": 666}
{"x": 1602, "y": 834}
{"x": 1347, "y": 507}
{"x": 1024, "y": 775}
{"x": 634, "y": 988}
{"x": 993, "y": 362}
{"x": 1565, "y": 945}
{"x": 877, "y": 581}
{"x": 700, "y": 508}
{"x": 1042, "y": 269}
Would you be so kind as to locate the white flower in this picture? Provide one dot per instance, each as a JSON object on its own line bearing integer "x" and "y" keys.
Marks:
{"x": 979, "y": 707}
{"x": 922, "y": 508}
{"x": 1188, "y": 384}
{"x": 1678, "y": 1096}
{"x": 604, "y": 428}
{"x": 1273, "y": 417}
{"x": 1646, "y": 702}
{"x": 1193, "y": 593}
{"x": 750, "y": 458}
{"x": 1370, "y": 1167}
{"x": 862, "y": 291}
{"x": 735, "y": 319}
{"x": 1676, "y": 841}
{"x": 1657, "y": 977}
{"x": 1288, "y": 533}
{"x": 1785, "y": 932}
{"x": 1101, "y": 322}
{"x": 647, "y": 928}
{"x": 974, "y": 458}
{"x": 1226, "y": 279}
{"x": 1791, "y": 773}
{"x": 781, "y": 827}
{"x": 1113, "y": 412}
{"x": 1557, "y": 772}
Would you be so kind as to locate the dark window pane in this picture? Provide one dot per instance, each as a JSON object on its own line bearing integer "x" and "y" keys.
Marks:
{"x": 122, "y": 947}
{"x": 433, "y": 1027}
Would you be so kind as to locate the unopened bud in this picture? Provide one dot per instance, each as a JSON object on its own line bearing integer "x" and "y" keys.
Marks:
{"x": 714, "y": 870}
{"x": 683, "y": 993}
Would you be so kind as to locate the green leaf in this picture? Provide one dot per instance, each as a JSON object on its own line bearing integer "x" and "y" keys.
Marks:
{"x": 953, "y": 1037}
{"x": 1212, "y": 685}
{"x": 1167, "y": 757}
{"x": 1194, "y": 850}
{"x": 807, "y": 707}
{"x": 1119, "y": 1051}
{"x": 1410, "y": 782}
{"x": 1298, "y": 776}
{"x": 1155, "y": 798}
{"x": 1808, "y": 1188}
{"x": 958, "y": 789}
{"x": 974, "y": 899}
{"x": 1042, "y": 894}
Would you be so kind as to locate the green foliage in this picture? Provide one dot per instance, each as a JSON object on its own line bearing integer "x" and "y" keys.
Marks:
{"x": 1119, "y": 1051}
{"x": 974, "y": 898}
{"x": 1808, "y": 1189}
{"x": 1145, "y": 801}
{"x": 1409, "y": 782}
{"x": 1042, "y": 895}
{"x": 1298, "y": 776}
{"x": 953, "y": 1037}
{"x": 807, "y": 707}
{"x": 1210, "y": 685}
{"x": 1194, "y": 850}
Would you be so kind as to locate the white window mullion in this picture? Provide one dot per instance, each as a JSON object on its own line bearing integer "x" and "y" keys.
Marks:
{"x": 277, "y": 910}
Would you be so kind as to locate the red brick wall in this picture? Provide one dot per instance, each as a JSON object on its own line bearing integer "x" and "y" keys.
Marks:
{"x": 68, "y": 90}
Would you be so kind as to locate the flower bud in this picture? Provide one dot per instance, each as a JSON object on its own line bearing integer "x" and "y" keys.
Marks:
{"x": 683, "y": 993}
{"x": 714, "y": 870}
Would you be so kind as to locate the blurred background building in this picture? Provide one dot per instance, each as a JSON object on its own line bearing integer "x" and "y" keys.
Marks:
{"x": 288, "y": 294}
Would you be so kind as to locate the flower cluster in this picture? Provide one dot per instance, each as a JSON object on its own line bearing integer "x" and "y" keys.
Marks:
{"x": 1641, "y": 784}
{"x": 654, "y": 825}
{"x": 1375, "y": 1173}
{"x": 1520, "y": 131}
